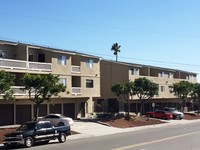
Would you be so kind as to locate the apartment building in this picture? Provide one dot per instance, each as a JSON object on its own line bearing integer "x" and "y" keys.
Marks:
{"x": 79, "y": 72}
{"x": 115, "y": 72}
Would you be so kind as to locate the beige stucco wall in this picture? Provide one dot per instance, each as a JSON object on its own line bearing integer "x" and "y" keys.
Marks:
{"x": 112, "y": 73}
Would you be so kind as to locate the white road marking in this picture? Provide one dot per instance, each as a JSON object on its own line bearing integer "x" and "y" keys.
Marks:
{"x": 155, "y": 141}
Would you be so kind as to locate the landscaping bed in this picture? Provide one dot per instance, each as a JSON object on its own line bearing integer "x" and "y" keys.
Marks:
{"x": 142, "y": 121}
{"x": 133, "y": 122}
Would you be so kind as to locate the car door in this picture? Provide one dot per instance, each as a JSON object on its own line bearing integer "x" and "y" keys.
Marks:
{"x": 49, "y": 130}
{"x": 159, "y": 114}
{"x": 40, "y": 132}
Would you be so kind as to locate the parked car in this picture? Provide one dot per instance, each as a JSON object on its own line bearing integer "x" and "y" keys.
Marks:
{"x": 160, "y": 114}
{"x": 175, "y": 112}
{"x": 57, "y": 120}
{"x": 36, "y": 131}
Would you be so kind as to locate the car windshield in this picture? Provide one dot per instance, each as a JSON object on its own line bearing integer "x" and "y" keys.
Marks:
{"x": 55, "y": 116}
{"x": 172, "y": 109}
{"x": 27, "y": 126}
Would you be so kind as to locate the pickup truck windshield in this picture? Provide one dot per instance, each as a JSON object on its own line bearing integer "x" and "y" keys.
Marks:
{"x": 27, "y": 126}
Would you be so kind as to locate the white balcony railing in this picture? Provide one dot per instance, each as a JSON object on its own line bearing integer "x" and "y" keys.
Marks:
{"x": 76, "y": 91}
{"x": 9, "y": 63}
{"x": 39, "y": 66}
{"x": 18, "y": 90}
{"x": 18, "y": 64}
{"x": 76, "y": 69}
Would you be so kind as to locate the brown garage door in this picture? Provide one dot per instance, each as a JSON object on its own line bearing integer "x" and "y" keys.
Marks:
{"x": 69, "y": 110}
{"x": 42, "y": 110}
{"x": 55, "y": 109}
{"x": 6, "y": 114}
{"x": 23, "y": 113}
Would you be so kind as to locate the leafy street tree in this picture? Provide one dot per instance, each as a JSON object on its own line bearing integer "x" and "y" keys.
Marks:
{"x": 196, "y": 94}
{"x": 41, "y": 88}
{"x": 6, "y": 81}
{"x": 144, "y": 89}
{"x": 182, "y": 90}
{"x": 116, "y": 48}
{"x": 125, "y": 92}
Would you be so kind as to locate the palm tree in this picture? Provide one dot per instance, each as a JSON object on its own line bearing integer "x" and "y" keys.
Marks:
{"x": 116, "y": 49}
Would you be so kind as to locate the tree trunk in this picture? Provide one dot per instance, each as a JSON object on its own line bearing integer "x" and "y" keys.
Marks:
{"x": 142, "y": 107}
{"x": 198, "y": 106}
{"x": 128, "y": 108}
{"x": 37, "y": 112}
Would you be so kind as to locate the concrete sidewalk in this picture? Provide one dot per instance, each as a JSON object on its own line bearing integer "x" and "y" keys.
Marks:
{"x": 92, "y": 129}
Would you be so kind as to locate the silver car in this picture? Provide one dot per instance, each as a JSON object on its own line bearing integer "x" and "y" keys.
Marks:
{"x": 174, "y": 112}
{"x": 57, "y": 120}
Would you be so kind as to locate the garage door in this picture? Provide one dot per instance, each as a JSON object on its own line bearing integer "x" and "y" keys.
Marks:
{"x": 23, "y": 113}
{"x": 69, "y": 110}
{"x": 6, "y": 114}
{"x": 55, "y": 108}
{"x": 42, "y": 110}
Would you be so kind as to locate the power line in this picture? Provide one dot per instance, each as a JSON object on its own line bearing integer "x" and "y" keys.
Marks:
{"x": 126, "y": 58}
{"x": 101, "y": 26}
{"x": 146, "y": 60}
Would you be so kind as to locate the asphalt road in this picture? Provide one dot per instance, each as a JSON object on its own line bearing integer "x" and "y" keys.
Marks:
{"x": 176, "y": 137}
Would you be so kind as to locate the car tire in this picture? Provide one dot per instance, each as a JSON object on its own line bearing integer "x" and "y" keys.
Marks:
{"x": 164, "y": 117}
{"x": 28, "y": 142}
{"x": 61, "y": 124}
{"x": 148, "y": 116}
{"x": 62, "y": 137}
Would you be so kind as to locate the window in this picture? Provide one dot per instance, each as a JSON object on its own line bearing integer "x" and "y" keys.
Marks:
{"x": 63, "y": 81}
{"x": 61, "y": 60}
{"x": 169, "y": 75}
{"x": 162, "y": 88}
{"x": 47, "y": 125}
{"x": 89, "y": 63}
{"x": 189, "y": 77}
{"x": 30, "y": 57}
{"x": 162, "y": 74}
{"x": 134, "y": 71}
{"x": 89, "y": 83}
{"x": 3, "y": 55}
{"x": 40, "y": 125}
{"x": 52, "y": 116}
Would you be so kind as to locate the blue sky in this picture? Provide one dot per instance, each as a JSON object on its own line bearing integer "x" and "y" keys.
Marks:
{"x": 163, "y": 33}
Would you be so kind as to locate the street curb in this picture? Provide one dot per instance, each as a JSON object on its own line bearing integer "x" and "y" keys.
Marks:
{"x": 168, "y": 123}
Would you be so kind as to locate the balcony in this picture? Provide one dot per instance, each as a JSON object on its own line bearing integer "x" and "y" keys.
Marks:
{"x": 24, "y": 65}
{"x": 76, "y": 91}
{"x": 39, "y": 66}
{"x": 18, "y": 91}
{"x": 76, "y": 69}
{"x": 12, "y": 64}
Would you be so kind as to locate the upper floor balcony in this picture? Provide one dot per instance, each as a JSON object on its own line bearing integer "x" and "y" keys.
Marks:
{"x": 25, "y": 65}
{"x": 76, "y": 69}
{"x": 76, "y": 91}
{"x": 18, "y": 91}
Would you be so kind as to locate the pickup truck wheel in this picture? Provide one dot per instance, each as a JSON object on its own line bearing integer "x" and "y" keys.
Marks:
{"x": 28, "y": 142}
{"x": 62, "y": 137}
{"x": 61, "y": 124}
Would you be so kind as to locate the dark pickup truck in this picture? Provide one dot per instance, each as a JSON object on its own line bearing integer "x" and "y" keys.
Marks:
{"x": 36, "y": 131}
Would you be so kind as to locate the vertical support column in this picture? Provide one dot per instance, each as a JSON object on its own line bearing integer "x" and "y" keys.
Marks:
{"x": 14, "y": 111}
{"x": 27, "y": 55}
{"x": 47, "y": 108}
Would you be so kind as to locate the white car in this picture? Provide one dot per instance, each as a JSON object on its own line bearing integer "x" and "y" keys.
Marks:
{"x": 57, "y": 120}
{"x": 175, "y": 112}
